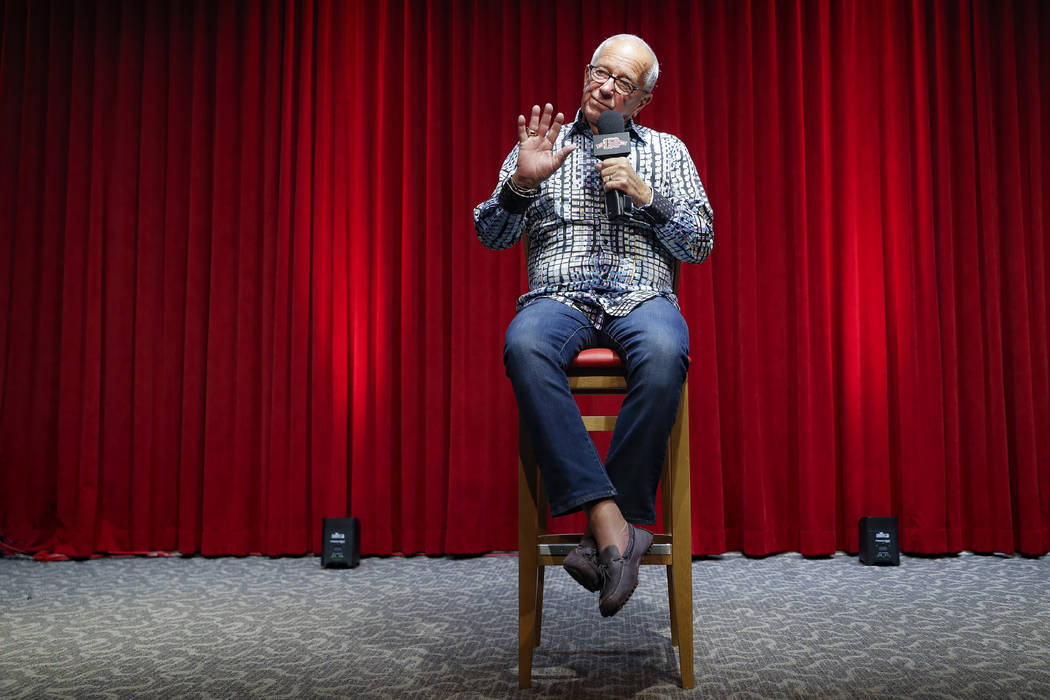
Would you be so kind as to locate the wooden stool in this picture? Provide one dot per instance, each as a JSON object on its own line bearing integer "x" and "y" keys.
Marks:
{"x": 601, "y": 371}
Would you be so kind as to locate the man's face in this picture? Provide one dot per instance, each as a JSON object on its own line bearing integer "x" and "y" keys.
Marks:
{"x": 622, "y": 59}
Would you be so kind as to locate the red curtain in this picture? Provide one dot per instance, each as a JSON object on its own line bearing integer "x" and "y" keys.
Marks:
{"x": 240, "y": 288}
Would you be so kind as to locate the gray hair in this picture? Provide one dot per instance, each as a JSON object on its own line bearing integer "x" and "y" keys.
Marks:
{"x": 649, "y": 79}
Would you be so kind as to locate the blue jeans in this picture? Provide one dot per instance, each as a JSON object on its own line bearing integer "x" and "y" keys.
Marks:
{"x": 653, "y": 341}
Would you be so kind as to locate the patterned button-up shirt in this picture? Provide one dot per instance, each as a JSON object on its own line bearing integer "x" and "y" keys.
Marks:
{"x": 576, "y": 255}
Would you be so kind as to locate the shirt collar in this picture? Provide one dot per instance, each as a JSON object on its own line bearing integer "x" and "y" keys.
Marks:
{"x": 580, "y": 126}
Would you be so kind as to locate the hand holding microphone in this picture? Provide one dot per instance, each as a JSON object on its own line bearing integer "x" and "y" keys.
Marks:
{"x": 622, "y": 184}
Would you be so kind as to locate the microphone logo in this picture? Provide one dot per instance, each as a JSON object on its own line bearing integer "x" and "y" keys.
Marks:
{"x": 610, "y": 142}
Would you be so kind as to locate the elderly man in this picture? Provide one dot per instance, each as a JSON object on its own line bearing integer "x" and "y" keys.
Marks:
{"x": 596, "y": 281}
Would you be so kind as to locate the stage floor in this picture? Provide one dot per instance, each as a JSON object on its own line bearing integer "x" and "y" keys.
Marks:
{"x": 966, "y": 626}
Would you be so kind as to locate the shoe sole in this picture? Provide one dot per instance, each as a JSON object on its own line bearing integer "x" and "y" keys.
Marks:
{"x": 620, "y": 606}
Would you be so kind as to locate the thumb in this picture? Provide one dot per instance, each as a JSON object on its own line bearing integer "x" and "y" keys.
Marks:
{"x": 561, "y": 155}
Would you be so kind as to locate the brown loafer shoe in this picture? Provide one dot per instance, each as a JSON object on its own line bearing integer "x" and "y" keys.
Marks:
{"x": 582, "y": 564}
{"x": 620, "y": 572}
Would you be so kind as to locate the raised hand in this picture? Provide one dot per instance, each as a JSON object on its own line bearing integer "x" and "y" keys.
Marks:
{"x": 536, "y": 157}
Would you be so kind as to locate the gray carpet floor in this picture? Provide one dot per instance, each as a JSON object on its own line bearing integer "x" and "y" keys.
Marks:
{"x": 783, "y": 626}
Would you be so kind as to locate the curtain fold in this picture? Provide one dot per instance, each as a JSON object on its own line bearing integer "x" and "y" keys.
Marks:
{"x": 240, "y": 289}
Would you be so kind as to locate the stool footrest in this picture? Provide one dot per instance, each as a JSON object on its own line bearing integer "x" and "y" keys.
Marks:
{"x": 561, "y": 545}
{"x": 561, "y": 550}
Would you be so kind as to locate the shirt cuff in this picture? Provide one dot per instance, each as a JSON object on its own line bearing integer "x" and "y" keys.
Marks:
{"x": 514, "y": 202}
{"x": 660, "y": 210}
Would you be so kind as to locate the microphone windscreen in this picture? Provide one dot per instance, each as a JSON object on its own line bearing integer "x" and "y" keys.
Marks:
{"x": 610, "y": 122}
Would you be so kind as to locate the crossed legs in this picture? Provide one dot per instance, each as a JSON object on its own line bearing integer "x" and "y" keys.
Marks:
{"x": 541, "y": 341}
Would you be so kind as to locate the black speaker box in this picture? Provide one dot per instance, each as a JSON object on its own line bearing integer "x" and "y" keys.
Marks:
{"x": 878, "y": 541}
{"x": 342, "y": 543}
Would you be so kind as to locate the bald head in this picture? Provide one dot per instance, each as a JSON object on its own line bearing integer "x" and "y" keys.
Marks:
{"x": 637, "y": 45}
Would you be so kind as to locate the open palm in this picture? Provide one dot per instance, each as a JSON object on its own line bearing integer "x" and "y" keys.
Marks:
{"x": 536, "y": 157}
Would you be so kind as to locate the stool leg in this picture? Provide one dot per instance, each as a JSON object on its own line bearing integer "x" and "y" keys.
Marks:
{"x": 539, "y": 604}
{"x": 668, "y": 512}
{"x": 526, "y": 622}
{"x": 540, "y": 499}
{"x": 681, "y": 539}
{"x": 528, "y": 559}
{"x": 670, "y": 605}
{"x": 683, "y": 613}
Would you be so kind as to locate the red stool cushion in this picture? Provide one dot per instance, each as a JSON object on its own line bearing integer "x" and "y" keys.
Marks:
{"x": 600, "y": 359}
{"x": 597, "y": 358}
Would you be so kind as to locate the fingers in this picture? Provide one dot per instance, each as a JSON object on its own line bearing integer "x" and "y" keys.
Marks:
{"x": 545, "y": 119}
{"x": 616, "y": 173}
{"x": 561, "y": 155}
{"x": 528, "y": 128}
{"x": 555, "y": 129}
{"x": 614, "y": 182}
{"x": 536, "y": 136}
{"x": 534, "y": 121}
{"x": 542, "y": 123}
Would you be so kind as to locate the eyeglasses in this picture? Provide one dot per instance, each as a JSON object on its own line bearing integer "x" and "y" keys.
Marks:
{"x": 623, "y": 86}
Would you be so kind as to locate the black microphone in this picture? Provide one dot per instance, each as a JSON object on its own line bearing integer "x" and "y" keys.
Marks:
{"x": 612, "y": 141}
